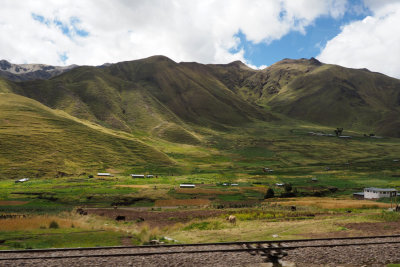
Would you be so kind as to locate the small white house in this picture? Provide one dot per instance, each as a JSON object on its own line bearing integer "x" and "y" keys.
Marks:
{"x": 149, "y": 176}
{"x": 103, "y": 174}
{"x": 187, "y": 186}
{"x": 375, "y": 193}
{"x": 22, "y": 180}
{"x": 137, "y": 175}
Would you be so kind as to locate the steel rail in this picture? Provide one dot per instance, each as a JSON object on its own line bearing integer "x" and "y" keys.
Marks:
{"x": 200, "y": 244}
{"x": 248, "y": 249}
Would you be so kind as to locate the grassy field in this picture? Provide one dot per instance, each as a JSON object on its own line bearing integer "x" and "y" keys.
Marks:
{"x": 341, "y": 167}
{"x": 210, "y": 158}
{"x": 43, "y": 201}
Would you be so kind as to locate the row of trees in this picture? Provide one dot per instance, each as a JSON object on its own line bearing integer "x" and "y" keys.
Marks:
{"x": 292, "y": 192}
{"x": 288, "y": 192}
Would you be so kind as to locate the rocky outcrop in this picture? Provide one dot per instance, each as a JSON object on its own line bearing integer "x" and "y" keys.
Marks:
{"x": 28, "y": 72}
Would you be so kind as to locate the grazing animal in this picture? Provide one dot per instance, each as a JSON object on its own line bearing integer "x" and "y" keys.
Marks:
{"x": 231, "y": 219}
{"x": 81, "y": 211}
{"x": 293, "y": 208}
{"x": 120, "y": 218}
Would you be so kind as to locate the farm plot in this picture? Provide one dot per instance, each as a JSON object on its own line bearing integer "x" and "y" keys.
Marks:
{"x": 156, "y": 218}
{"x": 332, "y": 203}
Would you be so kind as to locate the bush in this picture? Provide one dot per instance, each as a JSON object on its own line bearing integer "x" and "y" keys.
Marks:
{"x": 288, "y": 187}
{"x": 54, "y": 225}
{"x": 270, "y": 193}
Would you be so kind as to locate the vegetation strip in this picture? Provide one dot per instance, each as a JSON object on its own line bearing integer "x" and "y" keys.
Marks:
{"x": 202, "y": 251}
{"x": 200, "y": 244}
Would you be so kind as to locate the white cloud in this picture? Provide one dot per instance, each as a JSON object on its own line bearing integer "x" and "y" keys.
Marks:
{"x": 372, "y": 43}
{"x": 203, "y": 31}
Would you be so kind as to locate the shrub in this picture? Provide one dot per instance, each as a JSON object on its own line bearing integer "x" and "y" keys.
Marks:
{"x": 270, "y": 193}
{"x": 54, "y": 225}
{"x": 288, "y": 187}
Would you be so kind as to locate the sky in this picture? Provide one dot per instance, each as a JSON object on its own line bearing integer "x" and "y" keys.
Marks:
{"x": 351, "y": 33}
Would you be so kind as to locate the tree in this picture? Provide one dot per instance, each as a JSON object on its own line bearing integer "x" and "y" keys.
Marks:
{"x": 270, "y": 193}
{"x": 288, "y": 187}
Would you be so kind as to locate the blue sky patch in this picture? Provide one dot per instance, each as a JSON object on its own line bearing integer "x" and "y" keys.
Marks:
{"x": 70, "y": 28}
{"x": 297, "y": 45}
{"x": 63, "y": 57}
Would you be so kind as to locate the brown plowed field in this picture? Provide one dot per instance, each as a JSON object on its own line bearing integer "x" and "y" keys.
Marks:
{"x": 156, "y": 218}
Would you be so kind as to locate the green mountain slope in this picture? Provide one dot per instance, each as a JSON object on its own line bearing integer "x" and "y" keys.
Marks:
{"x": 146, "y": 95}
{"x": 158, "y": 96}
{"x": 36, "y": 140}
{"x": 156, "y": 114}
{"x": 329, "y": 95}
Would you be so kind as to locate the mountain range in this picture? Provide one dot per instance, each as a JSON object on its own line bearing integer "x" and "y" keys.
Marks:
{"x": 152, "y": 103}
{"x": 26, "y": 72}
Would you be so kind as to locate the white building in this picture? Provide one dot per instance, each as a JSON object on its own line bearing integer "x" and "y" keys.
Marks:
{"x": 375, "y": 193}
{"x": 137, "y": 175}
{"x": 103, "y": 174}
{"x": 187, "y": 186}
{"x": 22, "y": 180}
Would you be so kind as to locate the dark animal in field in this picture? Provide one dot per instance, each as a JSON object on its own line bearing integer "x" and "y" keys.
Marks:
{"x": 120, "y": 218}
{"x": 140, "y": 219}
{"x": 231, "y": 219}
{"x": 293, "y": 208}
{"x": 81, "y": 211}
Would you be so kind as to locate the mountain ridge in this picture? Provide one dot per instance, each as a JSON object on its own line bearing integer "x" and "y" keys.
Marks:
{"x": 221, "y": 95}
{"x": 27, "y": 72}
{"x": 155, "y": 114}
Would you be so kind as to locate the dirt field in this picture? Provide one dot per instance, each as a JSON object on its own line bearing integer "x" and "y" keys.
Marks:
{"x": 156, "y": 218}
{"x": 12, "y": 202}
{"x": 204, "y": 191}
{"x": 375, "y": 228}
{"x": 133, "y": 186}
{"x": 182, "y": 202}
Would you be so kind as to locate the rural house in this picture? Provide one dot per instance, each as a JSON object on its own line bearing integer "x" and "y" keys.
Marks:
{"x": 375, "y": 193}
{"x": 137, "y": 175}
{"x": 103, "y": 174}
{"x": 187, "y": 186}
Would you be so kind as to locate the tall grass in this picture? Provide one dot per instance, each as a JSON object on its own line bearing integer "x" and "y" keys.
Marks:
{"x": 145, "y": 234}
{"x": 387, "y": 216}
{"x": 329, "y": 203}
{"x": 38, "y": 222}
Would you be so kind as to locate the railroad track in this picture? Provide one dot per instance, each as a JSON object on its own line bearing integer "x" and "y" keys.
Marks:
{"x": 267, "y": 251}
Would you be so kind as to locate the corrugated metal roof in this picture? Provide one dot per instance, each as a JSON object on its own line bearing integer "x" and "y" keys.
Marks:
{"x": 381, "y": 189}
{"x": 103, "y": 174}
{"x": 187, "y": 185}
